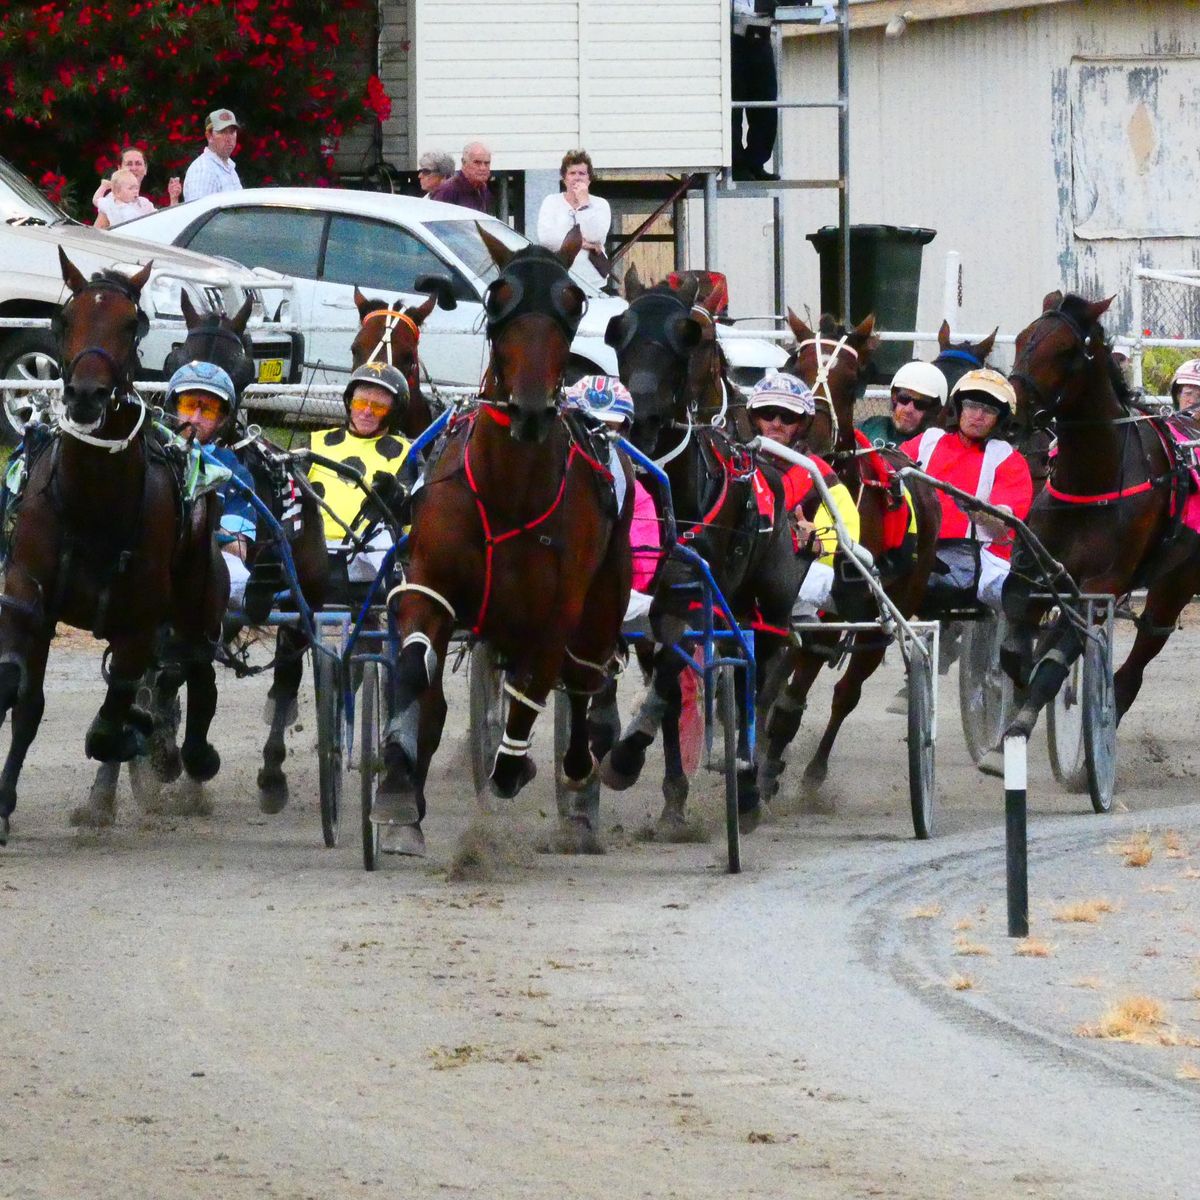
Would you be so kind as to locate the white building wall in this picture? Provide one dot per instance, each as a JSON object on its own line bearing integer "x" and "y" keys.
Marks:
{"x": 964, "y": 126}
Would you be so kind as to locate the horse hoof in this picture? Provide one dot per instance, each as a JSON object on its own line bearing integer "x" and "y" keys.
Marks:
{"x": 750, "y": 820}
{"x": 92, "y": 816}
{"x": 394, "y": 805}
{"x": 165, "y": 761}
{"x": 621, "y": 766}
{"x": 272, "y": 791}
{"x": 145, "y": 785}
{"x": 816, "y": 773}
{"x": 506, "y": 781}
{"x": 577, "y": 835}
{"x": 202, "y": 761}
{"x": 402, "y": 839}
{"x": 106, "y": 742}
{"x": 3, "y": 831}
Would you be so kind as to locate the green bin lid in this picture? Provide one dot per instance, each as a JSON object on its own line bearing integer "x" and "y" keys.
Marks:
{"x": 882, "y": 233}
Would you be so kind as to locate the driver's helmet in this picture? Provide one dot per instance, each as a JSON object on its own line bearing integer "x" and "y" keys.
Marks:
{"x": 196, "y": 376}
{"x": 781, "y": 390}
{"x": 991, "y": 388}
{"x": 923, "y": 378}
{"x": 1186, "y": 373}
{"x": 389, "y": 378}
{"x": 604, "y": 397}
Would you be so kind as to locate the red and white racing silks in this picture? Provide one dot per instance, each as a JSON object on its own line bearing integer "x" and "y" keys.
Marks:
{"x": 994, "y": 471}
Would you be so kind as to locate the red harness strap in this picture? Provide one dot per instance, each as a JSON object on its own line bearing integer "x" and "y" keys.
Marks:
{"x": 1099, "y": 497}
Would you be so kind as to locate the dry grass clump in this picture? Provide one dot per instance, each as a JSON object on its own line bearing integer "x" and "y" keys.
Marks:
{"x": 960, "y": 983}
{"x": 971, "y": 949}
{"x": 1085, "y": 912}
{"x": 1135, "y": 1019}
{"x": 1188, "y": 1070}
{"x": 1032, "y": 947}
{"x": 926, "y": 912}
{"x": 1137, "y": 851}
{"x": 1173, "y": 845}
{"x": 963, "y": 925}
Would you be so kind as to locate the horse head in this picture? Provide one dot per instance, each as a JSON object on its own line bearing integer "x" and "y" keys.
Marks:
{"x": 654, "y": 339}
{"x": 98, "y": 330}
{"x": 391, "y": 334}
{"x": 832, "y": 362}
{"x": 533, "y": 309}
{"x": 955, "y": 359}
{"x": 1061, "y": 357}
{"x": 216, "y": 338}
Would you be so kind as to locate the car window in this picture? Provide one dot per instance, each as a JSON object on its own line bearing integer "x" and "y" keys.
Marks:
{"x": 281, "y": 239}
{"x": 376, "y": 256}
{"x": 462, "y": 238}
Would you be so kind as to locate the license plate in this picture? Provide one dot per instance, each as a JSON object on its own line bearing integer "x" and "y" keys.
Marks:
{"x": 270, "y": 370}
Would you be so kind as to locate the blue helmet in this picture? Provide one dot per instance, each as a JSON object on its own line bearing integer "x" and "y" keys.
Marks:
{"x": 602, "y": 396}
{"x": 204, "y": 377}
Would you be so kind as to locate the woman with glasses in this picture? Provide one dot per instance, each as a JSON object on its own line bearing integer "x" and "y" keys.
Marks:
{"x": 918, "y": 394}
{"x": 433, "y": 169}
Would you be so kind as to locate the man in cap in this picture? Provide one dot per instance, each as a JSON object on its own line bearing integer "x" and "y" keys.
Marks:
{"x": 214, "y": 170}
{"x": 974, "y": 552}
{"x": 918, "y": 394}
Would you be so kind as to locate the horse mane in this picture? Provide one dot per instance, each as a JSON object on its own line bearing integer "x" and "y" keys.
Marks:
{"x": 1075, "y": 307}
{"x": 114, "y": 278}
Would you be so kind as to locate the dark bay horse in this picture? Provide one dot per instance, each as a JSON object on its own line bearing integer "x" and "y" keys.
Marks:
{"x": 955, "y": 359}
{"x": 390, "y": 334}
{"x": 1110, "y": 510}
{"x": 515, "y": 536}
{"x": 104, "y": 541}
{"x": 832, "y": 361}
{"x": 692, "y": 421}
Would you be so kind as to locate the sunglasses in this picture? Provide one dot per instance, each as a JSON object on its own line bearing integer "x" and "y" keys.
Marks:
{"x": 377, "y": 408}
{"x": 426, "y": 171}
{"x": 920, "y": 403}
{"x": 189, "y": 406}
{"x": 978, "y": 405}
{"x": 784, "y": 415}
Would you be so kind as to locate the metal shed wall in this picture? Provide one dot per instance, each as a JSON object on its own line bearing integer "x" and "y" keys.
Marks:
{"x": 964, "y": 126}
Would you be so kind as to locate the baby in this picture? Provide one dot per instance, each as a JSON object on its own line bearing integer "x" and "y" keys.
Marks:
{"x": 124, "y": 203}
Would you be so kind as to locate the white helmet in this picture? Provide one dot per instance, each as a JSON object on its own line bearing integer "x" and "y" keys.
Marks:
{"x": 1186, "y": 372}
{"x": 991, "y": 385}
{"x": 923, "y": 378}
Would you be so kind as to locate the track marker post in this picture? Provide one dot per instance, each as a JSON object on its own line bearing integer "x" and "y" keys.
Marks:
{"x": 1016, "y": 849}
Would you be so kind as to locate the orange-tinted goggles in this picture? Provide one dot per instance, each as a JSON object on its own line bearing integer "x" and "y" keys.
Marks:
{"x": 199, "y": 404}
{"x": 377, "y": 408}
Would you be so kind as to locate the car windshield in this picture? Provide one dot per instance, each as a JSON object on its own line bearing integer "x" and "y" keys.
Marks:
{"x": 21, "y": 202}
{"x": 462, "y": 238}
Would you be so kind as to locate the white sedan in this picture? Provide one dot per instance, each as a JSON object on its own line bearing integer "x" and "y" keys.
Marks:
{"x": 332, "y": 240}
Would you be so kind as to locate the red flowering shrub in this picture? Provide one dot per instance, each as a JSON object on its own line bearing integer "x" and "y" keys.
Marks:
{"x": 80, "y": 80}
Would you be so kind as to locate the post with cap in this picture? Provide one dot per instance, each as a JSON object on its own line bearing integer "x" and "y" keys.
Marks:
{"x": 1015, "y": 841}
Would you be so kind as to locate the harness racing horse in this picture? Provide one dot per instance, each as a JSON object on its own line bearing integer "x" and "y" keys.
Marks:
{"x": 515, "y": 537}
{"x": 1110, "y": 512}
{"x": 955, "y": 359}
{"x": 684, "y": 408}
{"x": 390, "y": 334}
{"x": 832, "y": 363}
{"x": 104, "y": 541}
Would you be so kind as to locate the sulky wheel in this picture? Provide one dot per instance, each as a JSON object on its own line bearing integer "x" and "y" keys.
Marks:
{"x": 327, "y": 683}
{"x": 727, "y": 715}
{"x": 1064, "y": 732}
{"x": 1099, "y": 721}
{"x": 562, "y": 739}
{"x": 489, "y": 711}
{"x": 921, "y": 739}
{"x": 372, "y": 714}
{"x": 985, "y": 692}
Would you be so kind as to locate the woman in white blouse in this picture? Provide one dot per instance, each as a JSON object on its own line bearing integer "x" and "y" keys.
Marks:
{"x": 575, "y": 205}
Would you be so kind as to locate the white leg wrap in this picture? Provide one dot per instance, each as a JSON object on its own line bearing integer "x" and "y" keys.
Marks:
{"x": 420, "y": 639}
{"x": 521, "y": 698}
{"x": 425, "y": 591}
{"x": 517, "y": 747}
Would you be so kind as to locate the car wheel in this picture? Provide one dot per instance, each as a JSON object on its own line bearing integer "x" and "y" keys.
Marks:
{"x": 29, "y": 355}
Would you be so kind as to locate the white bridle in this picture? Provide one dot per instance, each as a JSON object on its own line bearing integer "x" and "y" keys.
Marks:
{"x": 391, "y": 318}
{"x": 83, "y": 433}
{"x": 820, "y": 385}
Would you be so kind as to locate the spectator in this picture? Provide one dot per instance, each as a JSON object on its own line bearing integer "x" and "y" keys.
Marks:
{"x": 918, "y": 394}
{"x": 214, "y": 169}
{"x": 1185, "y": 386}
{"x": 433, "y": 169}
{"x": 469, "y": 185}
{"x": 132, "y": 159}
{"x": 575, "y": 205}
{"x": 752, "y": 77}
{"x": 124, "y": 203}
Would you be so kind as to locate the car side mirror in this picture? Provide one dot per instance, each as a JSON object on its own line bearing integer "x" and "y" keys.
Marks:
{"x": 439, "y": 286}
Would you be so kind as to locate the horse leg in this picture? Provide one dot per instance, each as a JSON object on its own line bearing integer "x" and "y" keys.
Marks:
{"x": 579, "y": 816}
{"x": 280, "y": 711}
{"x": 513, "y": 767}
{"x": 21, "y": 691}
{"x": 1063, "y": 645}
{"x": 1154, "y": 627}
{"x": 846, "y": 695}
{"x": 783, "y": 720}
{"x": 116, "y": 733}
{"x": 200, "y": 757}
{"x": 672, "y": 824}
{"x": 771, "y": 668}
{"x": 604, "y": 720}
{"x": 624, "y": 762}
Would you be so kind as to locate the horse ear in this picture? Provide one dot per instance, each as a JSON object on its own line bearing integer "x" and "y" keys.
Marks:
{"x": 362, "y": 304}
{"x": 613, "y": 331}
{"x": 419, "y": 312}
{"x": 688, "y": 290}
{"x": 572, "y": 244}
{"x": 242, "y": 315}
{"x": 191, "y": 317}
{"x": 1051, "y": 300}
{"x": 634, "y": 286}
{"x": 801, "y": 331}
{"x": 944, "y": 335}
{"x": 984, "y": 348}
{"x": 140, "y": 280}
{"x": 496, "y": 248}
{"x": 71, "y": 274}
{"x": 861, "y": 333}
{"x": 1100, "y": 307}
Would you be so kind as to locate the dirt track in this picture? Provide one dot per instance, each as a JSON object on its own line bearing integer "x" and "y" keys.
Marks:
{"x": 217, "y": 1006}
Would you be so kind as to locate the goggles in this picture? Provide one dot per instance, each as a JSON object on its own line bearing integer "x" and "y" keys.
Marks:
{"x": 920, "y": 403}
{"x": 190, "y": 405}
{"x": 377, "y": 408}
{"x": 980, "y": 405}
{"x": 785, "y": 416}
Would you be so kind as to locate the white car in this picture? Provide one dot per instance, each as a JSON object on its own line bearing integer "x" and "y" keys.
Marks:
{"x": 332, "y": 240}
{"x": 31, "y": 285}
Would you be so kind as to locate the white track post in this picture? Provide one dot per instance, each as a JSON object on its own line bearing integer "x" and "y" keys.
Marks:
{"x": 950, "y": 298}
{"x": 1139, "y": 331}
{"x": 1016, "y": 849}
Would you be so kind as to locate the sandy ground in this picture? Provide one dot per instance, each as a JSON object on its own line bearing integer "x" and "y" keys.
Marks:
{"x": 219, "y": 1006}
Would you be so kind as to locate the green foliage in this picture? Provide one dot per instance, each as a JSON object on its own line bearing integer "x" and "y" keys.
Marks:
{"x": 1159, "y": 364}
{"x": 78, "y": 81}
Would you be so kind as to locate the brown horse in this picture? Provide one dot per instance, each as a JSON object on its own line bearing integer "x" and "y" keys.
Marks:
{"x": 390, "y": 334}
{"x": 955, "y": 359}
{"x": 1110, "y": 511}
{"x": 104, "y": 541}
{"x": 832, "y": 362}
{"x": 515, "y": 536}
